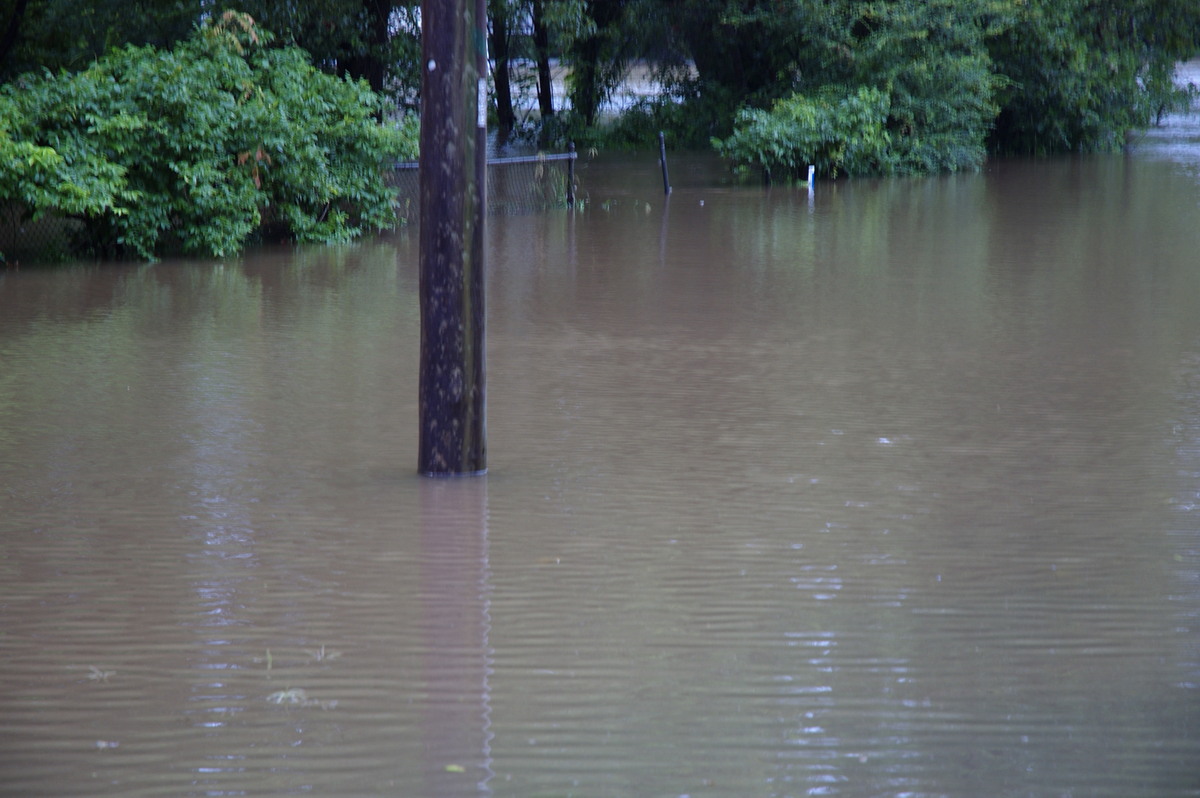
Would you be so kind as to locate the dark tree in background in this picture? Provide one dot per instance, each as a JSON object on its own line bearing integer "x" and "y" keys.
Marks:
{"x": 375, "y": 40}
{"x": 61, "y": 34}
{"x": 1081, "y": 73}
{"x": 522, "y": 32}
{"x": 597, "y": 59}
{"x": 500, "y": 13}
{"x": 541, "y": 54}
{"x": 368, "y": 59}
{"x": 12, "y": 26}
{"x": 958, "y": 76}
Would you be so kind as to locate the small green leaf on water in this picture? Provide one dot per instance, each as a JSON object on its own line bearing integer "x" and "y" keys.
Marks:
{"x": 455, "y": 769}
{"x": 1178, "y": 558}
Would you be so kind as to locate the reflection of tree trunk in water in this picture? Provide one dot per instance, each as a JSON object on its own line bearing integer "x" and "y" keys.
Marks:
{"x": 455, "y": 624}
{"x": 506, "y": 118}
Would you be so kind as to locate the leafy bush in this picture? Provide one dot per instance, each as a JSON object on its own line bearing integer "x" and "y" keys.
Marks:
{"x": 690, "y": 115}
{"x": 915, "y": 93}
{"x": 836, "y": 131}
{"x": 1083, "y": 73}
{"x": 931, "y": 58}
{"x": 199, "y": 147}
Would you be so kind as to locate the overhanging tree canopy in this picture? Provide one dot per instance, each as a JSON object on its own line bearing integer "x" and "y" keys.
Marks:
{"x": 961, "y": 78}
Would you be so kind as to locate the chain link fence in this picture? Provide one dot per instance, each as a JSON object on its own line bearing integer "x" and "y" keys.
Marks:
{"x": 516, "y": 185}
{"x": 50, "y": 238}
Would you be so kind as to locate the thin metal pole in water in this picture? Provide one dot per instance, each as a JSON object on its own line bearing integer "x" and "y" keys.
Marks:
{"x": 571, "y": 175}
{"x": 453, "y": 190}
{"x": 662, "y": 155}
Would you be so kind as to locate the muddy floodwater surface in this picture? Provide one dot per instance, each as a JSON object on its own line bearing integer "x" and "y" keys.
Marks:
{"x": 890, "y": 489}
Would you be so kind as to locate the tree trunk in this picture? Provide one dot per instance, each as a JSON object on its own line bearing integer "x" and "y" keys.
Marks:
{"x": 586, "y": 91}
{"x": 506, "y": 118}
{"x": 594, "y": 59}
{"x": 541, "y": 49}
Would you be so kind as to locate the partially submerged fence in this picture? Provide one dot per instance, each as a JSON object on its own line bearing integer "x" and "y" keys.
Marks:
{"x": 46, "y": 239}
{"x": 520, "y": 184}
{"x": 523, "y": 184}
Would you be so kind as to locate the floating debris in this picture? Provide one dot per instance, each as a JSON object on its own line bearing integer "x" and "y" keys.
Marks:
{"x": 98, "y": 675}
{"x": 321, "y": 654}
{"x": 104, "y": 745}
{"x": 298, "y": 697}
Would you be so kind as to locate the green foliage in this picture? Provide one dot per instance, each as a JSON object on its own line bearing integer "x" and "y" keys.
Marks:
{"x": 529, "y": 31}
{"x": 917, "y": 97}
{"x": 199, "y": 147}
{"x": 377, "y": 40}
{"x": 930, "y": 58}
{"x": 37, "y": 176}
{"x": 750, "y": 53}
{"x": 638, "y": 127}
{"x": 837, "y": 131}
{"x": 1084, "y": 72}
{"x": 373, "y": 39}
{"x": 1032, "y": 76}
{"x": 961, "y": 77}
{"x": 598, "y": 58}
{"x": 690, "y": 114}
{"x": 68, "y": 34}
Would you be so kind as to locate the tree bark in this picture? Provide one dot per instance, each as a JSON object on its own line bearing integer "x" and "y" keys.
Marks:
{"x": 541, "y": 49}
{"x": 595, "y": 61}
{"x": 453, "y": 189}
{"x": 506, "y": 118}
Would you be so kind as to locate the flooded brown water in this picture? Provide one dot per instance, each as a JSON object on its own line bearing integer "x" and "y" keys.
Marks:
{"x": 888, "y": 490}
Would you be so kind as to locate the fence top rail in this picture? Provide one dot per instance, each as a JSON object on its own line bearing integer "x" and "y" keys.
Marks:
{"x": 513, "y": 159}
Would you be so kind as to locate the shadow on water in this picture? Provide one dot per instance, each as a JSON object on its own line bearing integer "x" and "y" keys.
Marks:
{"x": 888, "y": 489}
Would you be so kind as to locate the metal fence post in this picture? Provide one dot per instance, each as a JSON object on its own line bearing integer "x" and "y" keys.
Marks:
{"x": 662, "y": 154}
{"x": 571, "y": 175}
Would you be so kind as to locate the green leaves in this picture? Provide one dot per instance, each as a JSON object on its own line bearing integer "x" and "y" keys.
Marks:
{"x": 961, "y": 76}
{"x": 195, "y": 148}
{"x": 837, "y": 131}
{"x": 913, "y": 93}
{"x": 1081, "y": 73}
{"x": 931, "y": 59}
